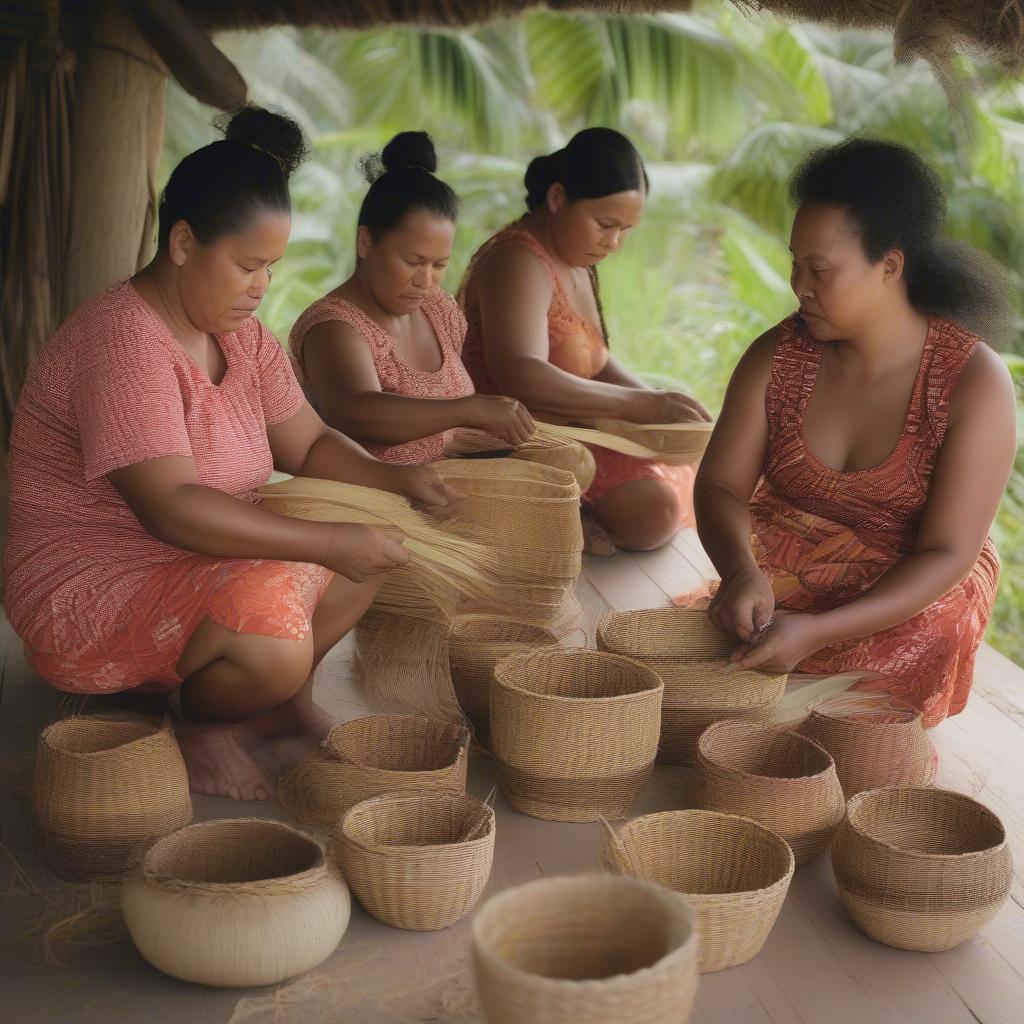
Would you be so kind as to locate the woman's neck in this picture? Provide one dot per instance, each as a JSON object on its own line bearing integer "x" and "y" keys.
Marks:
{"x": 157, "y": 283}
{"x": 358, "y": 291}
{"x": 538, "y": 224}
{"x": 886, "y": 343}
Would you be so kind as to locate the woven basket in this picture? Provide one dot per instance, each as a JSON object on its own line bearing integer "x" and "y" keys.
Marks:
{"x": 599, "y": 949}
{"x": 417, "y": 860}
{"x": 104, "y": 788}
{"x": 236, "y": 902}
{"x": 873, "y": 748}
{"x": 689, "y": 652}
{"x": 734, "y": 872}
{"x": 574, "y": 732}
{"x": 368, "y": 756}
{"x": 921, "y": 868}
{"x": 779, "y": 778}
{"x": 476, "y": 644}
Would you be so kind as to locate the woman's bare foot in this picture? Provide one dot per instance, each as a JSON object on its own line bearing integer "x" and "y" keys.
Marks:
{"x": 281, "y": 753}
{"x": 218, "y": 765}
{"x": 595, "y": 540}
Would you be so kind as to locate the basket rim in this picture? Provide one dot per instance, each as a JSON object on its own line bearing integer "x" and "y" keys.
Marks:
{"x": 830, "y": 766}
{"x": 578, "y": 654}
{"x": 156, "y": 728}
{"x": 463, "y": 734}
{"x": 846, "y": 720}
{"x": 461, "y": 622}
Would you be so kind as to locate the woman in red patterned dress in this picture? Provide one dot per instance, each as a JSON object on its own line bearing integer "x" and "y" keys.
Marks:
{"x": 865, "y": 442}
{"x": 381, "y": 353}
{"x": 138, "y": 557}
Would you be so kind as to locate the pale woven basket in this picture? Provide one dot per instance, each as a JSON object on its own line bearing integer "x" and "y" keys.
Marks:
{"x": 734, "y": 872}
{"x": 106, "y": 787}
{"x": 781, "y": 779}
{"x": 574, "y": 732}
{"x": 599, "y": 949}
{"x": 369, "y": 756}
{"x": 419, "y": 861}
{"x": 689, "y": 652}
{"x": 921, "y": 868}
{"x": 476, "y": 643}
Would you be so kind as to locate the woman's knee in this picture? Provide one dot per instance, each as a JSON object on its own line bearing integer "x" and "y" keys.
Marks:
{"x": 641, "y": 515}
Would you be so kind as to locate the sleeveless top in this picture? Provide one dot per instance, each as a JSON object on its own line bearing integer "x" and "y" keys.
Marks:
{"x": 396, "y": 376}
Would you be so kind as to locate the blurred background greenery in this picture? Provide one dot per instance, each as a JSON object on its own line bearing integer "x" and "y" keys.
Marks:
{"x": 722, "y": 105}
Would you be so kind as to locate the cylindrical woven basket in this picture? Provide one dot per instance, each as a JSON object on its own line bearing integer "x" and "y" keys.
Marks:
{"x": 105, "y": 788}
{"x": 734, "y": 872}
{"x": 236, "y": 902}
{"x": 574, "y": 732}
{"x": 781, "y": 779}
{"x": 599, "y": 949}
{"x": 873, "y": 748}
{"x": 417, "y": 860}
{"x": 689, "y": 652}
{"x": 921, "y": 868}
{"x": 476, "y": 644}
{"x": 368, "y": 756}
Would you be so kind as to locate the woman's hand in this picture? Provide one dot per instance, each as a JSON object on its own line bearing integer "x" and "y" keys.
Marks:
{"x": 791, "y": 637}
{"x": 500, "y": 416}
{"x": 664, "y": 407}
{"x": 744, "y": 603}
{"x": 425, "y": 488}
{"x": 358, "y": 552}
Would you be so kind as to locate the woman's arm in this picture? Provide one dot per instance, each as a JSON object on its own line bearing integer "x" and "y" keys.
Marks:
{"x": 615, "y": 373}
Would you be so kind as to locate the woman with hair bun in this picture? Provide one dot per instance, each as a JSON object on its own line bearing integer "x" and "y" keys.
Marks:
{"x": 381, "y": 352}
{"x": 865, "y": 443}
{"x": 536, "y": 330}
{"x": 138, "y": 558}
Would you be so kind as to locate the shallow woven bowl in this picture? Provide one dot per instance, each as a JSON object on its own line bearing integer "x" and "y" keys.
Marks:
{"x": 574, "y": 732}
{"x": 236, "y": 902}
{"x": 599, "y": 949}
{"x": 104, "y": 788}
{"x": 921, "y": 868}
{"x": 419, "y": 861}
{"x": 781, "y": 779}
{"x": 378, "y": 754}
{"x": 734, "y": 872}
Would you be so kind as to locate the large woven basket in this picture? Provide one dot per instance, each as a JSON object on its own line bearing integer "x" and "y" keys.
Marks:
{"x": 236, "y": 902}
{"x": 598, "y": 949}
{"x": 574, "y": 732}
{"x": 104, "y": 788}
{"x": 781, "y": 779}
{"x": 476, "y": 643}
{"x": 921, "y": 868}
{"x": 420, "y": 860}
{"x": 734, "y": 872}
{"x": 690, "y": 654}
{"x": 368, "y": 756}
{"x": 873, "y": 748}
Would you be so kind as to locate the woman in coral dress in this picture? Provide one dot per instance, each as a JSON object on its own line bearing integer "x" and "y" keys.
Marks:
{"x": 865, "y": 442}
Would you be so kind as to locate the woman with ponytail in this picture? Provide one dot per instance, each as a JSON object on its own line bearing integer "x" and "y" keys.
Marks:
{"x": 865, "y": 443}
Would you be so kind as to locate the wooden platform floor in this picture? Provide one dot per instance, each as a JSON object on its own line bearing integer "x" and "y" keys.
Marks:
{"x": 816, "y": 968}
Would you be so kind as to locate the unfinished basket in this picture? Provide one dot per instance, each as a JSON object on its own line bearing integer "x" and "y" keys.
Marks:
{"x": 734, "y": 872}
{"x": 781, "y": 779}
{"x": 417, "y": 860}
{"x": 476, "y": 643}
{"x": 236, "y": 902}
{"x": 921, "y": 868}
{"x": 104, "y": 788}
{"x": 574, "y": 732}
{"x": 599, "y": 949}
{"x": 689, "y": 652}
{"x": 368, "y": 756}
{"x": 872, "y": 747}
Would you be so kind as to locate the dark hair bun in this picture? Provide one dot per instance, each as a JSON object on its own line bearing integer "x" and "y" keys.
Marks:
{"x": 541, "y": 173}
{"x": 409, "y": 149}
{"x": 275, "y": 134}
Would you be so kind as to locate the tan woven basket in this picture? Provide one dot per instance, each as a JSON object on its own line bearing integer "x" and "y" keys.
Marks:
{"x": 689, "y": 652}
{"x": 368, "y": 756}
{"x": 104, "y": 788}
{"x": 921, "y": 868}
{"x": 734, "y": 872}
{"x": 476, "y": 644}
{"x": 873, "y": 748}
{"x": 574, "y": 732}
{"x": 417, "y": 860}
{"x": 598, "y": 949}
{"x": 781, "y": 779}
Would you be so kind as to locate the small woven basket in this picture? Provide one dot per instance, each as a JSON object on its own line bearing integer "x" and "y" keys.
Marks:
{"x": 921, "y": 868}
{"x": 476, "y": 644}
{"x": 781, "y": 779}
{"x": 417, "y": 860}
{"x": 599, "y": 949}
{"x": 689, "y": 652}
{"x": 368, "y": 756}
{"x": 574, "y": 732}
{"x": 105, "y": 788}
{"x": 734, "y": 872}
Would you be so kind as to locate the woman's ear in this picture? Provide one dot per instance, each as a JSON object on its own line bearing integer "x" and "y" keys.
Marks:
{"x": 180, "y": 242}
{"x": 364, "y": 241}
{"x": 894, "y": 264}
{"x": 557, "y": 198}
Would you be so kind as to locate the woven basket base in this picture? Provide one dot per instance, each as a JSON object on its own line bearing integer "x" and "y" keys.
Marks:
{"x": 743, "y": 941}
{"x": 579, "y": 799}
